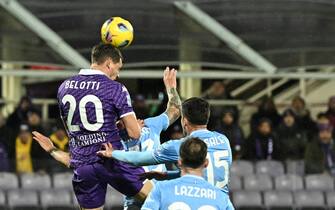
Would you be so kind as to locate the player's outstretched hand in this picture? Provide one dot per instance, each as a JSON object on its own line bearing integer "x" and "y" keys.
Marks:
{"x": 43, "y": 141}
{"x": 170, "y": 78}
{"x": 154, "y": 175}
{"x": 107, "y": 152}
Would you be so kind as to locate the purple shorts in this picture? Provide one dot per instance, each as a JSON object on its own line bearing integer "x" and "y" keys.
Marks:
{"x": 90, "y": 181}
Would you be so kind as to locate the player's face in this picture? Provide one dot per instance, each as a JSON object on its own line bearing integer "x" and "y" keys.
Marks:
{"x": 184, "y": 125}
{"x": 289, "y": 120}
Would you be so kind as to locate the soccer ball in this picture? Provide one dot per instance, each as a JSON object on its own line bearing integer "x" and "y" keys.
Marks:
{"x": 117, "y": 32}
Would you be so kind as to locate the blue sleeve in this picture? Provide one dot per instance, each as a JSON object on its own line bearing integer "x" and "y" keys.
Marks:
{"x": 173, "y": 174}
{"x": 152, "y": 202}
{"x": 134, "y": 157}
{"x": 167, "y": 152}
{"x": 157, "y": 124}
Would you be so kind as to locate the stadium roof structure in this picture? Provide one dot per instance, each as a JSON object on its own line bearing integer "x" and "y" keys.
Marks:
{"x": 286, "y": 32}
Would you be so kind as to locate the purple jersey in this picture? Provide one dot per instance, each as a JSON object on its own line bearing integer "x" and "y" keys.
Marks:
{"x": 90, "y": 104}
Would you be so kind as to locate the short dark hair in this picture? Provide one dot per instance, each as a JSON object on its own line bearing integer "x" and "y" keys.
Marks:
{"x": 321, "y": 115}
{"x": 193, "y": 152}
{"x": 196, "y": 110}
{"x": 101, "y": 52}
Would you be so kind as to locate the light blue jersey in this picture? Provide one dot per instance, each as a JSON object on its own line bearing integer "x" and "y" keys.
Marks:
{"x": 150, "y": 139}
{"x": 219, "y": 156}
{"x": 188, "y": 192}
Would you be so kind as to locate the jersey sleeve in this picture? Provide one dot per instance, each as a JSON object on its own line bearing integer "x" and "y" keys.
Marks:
{"x": 122, "y": 102}
{"x": 153, "y": 201}
{"x": 157, "y": 124}
{"x": 136, "y": 158}
{"x": 167, "y": 152}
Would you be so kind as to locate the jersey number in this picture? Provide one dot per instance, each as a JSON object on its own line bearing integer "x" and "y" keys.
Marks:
{"x": 82, "y": 112}
{"x": 217, "y": 163}
{"x": 184, "y": 206}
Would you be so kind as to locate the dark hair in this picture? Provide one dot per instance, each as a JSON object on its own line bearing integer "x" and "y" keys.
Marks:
{"x": 322, "y": 115}
{"x": 101, "y": 52}
{"x": 193, "y": 152}
{"x": 196, "y": 111}
{"x": 264, "y": 120}
{"x": 288, "y": 112}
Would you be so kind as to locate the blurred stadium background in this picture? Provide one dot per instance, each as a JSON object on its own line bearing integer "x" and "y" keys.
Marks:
{"x": 266, "y": 67}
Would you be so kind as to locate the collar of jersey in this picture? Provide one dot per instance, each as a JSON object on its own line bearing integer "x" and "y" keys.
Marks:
{"x": 91, "y": 72}
{"x": 193, "y": 176}
{"x": 199, "y": 131}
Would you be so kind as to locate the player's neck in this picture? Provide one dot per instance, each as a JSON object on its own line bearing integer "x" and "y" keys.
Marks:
{"x": 195, "y": 128}
{"x": 99, "y": 68}
{"x": 191, "y": 171}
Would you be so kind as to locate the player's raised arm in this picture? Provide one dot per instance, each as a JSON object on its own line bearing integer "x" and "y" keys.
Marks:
{"x": 173, "y": 109}
{"x": 47, "y": 145}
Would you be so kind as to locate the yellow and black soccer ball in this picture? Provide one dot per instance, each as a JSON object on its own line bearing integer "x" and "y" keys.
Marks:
{"x": 117, "y": 32}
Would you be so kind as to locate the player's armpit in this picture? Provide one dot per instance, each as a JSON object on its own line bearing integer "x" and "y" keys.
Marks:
{"x": 132, "y": 127}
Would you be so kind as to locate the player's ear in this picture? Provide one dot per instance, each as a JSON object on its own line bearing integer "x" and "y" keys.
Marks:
{"x": 179, "y": 163}
{"x": 205, "y": 163}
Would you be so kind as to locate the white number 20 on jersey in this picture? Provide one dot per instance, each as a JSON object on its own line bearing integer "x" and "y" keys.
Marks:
{"x": 82, "y": 112}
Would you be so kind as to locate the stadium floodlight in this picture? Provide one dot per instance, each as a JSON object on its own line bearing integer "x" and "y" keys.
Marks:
{"x": 44, "y": 32}
{"x": 225, "y": 35}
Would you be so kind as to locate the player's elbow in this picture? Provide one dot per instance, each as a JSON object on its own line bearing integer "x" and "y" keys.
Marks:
{"x": 134, "y": 134}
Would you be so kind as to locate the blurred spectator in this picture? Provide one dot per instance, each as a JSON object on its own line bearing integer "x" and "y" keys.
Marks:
{"x": 267, "y": 109}
{"x": 4, "y": 159}
{"x": 34, "y": 121}
{"x": 331, "y": 110}
{"x": 217, "y": 91}
{"x": 29, "y": 156}
{"x": 23, "y": 150}
{"x": 5, "y": 145}
{"x": 177, "y": 132}
{"x": 320, "y": 153}
{"x": 59, "y": 137}
{"x": 292, "y": 140}
{"x": 20, "y": 114}
{"x": 322, "y": 118}
{"x": 140, "y": 107}
{"x": 303, "y": 118}
{"x": 229, "y": 127}
{"x": 262, "y": 144}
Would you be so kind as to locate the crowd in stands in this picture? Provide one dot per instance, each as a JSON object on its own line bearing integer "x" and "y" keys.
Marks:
{"x": 18, "y": 151}
{"x": 290, "y": 135}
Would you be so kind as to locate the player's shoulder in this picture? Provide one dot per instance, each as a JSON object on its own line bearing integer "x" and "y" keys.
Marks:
{"x": 167, "y": 183}
{"x": 220, "y": 135}
{"x": 174, "y": 142}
